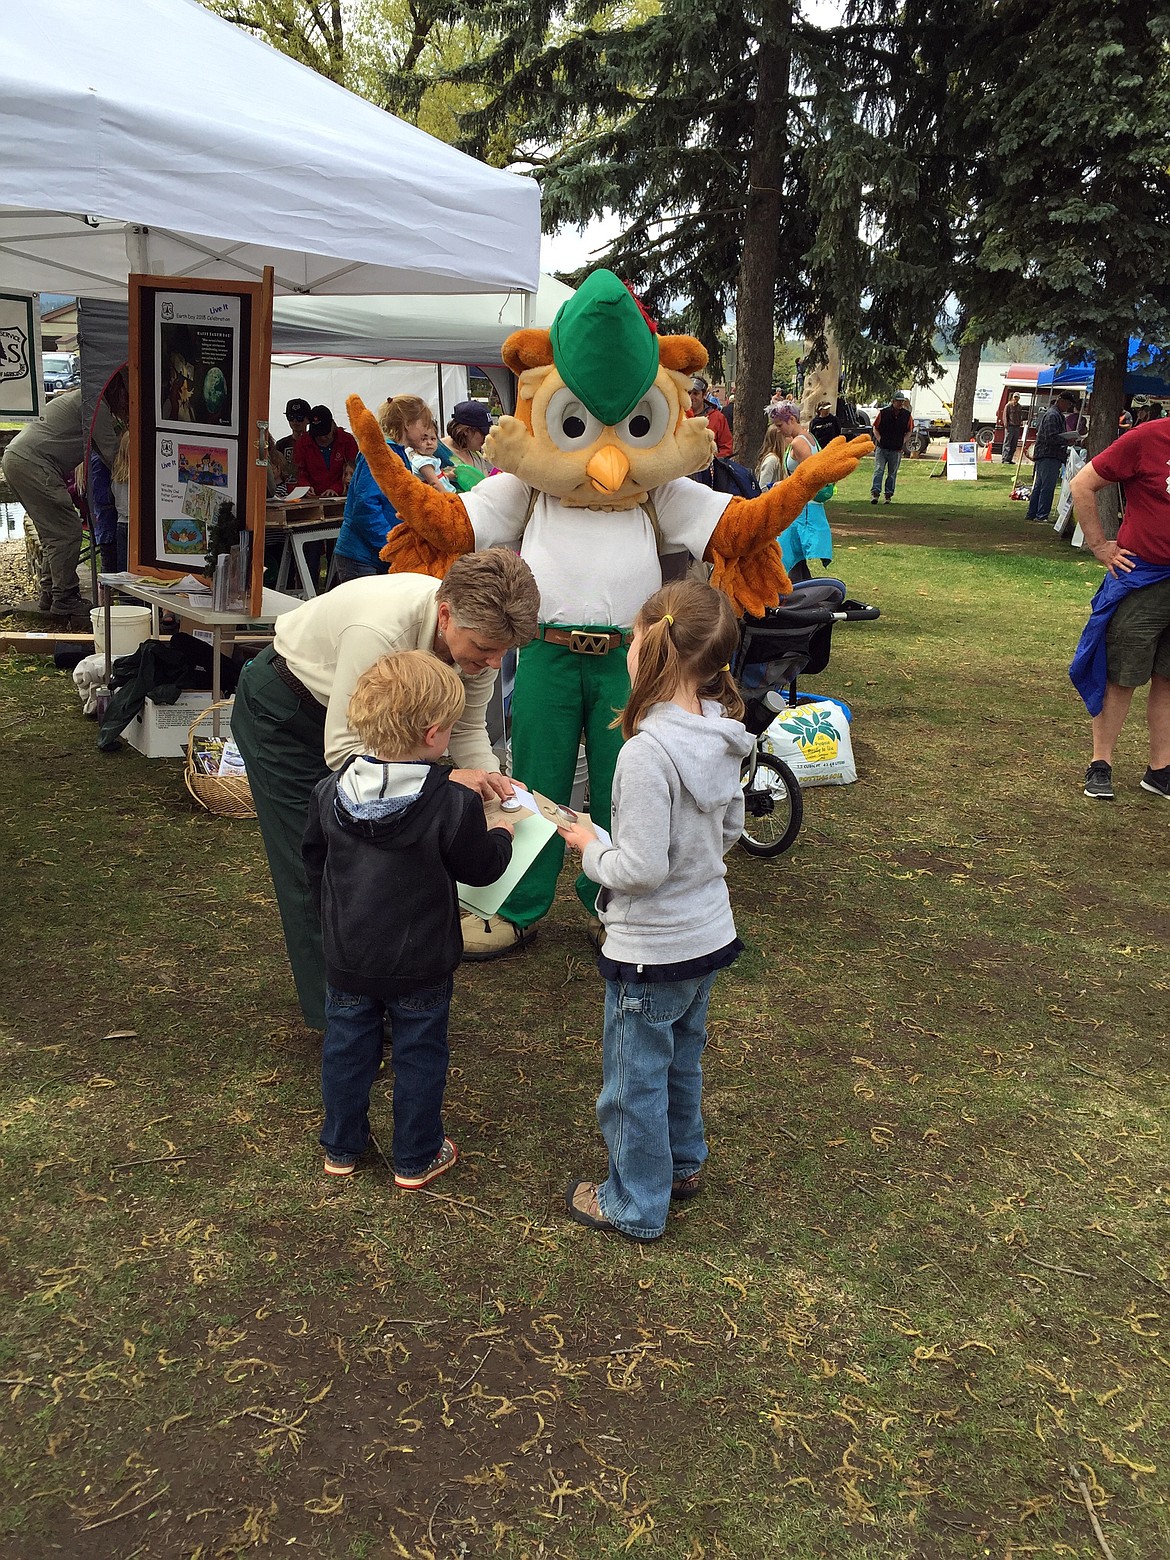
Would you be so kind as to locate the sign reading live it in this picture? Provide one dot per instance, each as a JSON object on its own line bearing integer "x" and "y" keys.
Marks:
{"x": 20, "y": 356}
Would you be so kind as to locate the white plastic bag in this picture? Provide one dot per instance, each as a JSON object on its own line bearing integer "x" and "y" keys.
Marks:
{"x": 813, "y": 740}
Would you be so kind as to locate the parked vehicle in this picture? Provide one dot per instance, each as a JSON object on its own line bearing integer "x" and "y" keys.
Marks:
{"x": 60, "y": 371}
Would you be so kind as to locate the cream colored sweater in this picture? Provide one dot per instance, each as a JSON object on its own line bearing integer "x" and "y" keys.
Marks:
{"x": 331, "y": 640}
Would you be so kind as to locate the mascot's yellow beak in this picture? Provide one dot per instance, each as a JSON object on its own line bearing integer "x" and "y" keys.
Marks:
{"x": 608, "y": 469}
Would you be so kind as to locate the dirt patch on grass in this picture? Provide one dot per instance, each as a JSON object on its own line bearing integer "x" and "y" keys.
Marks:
{"x": 382, "y": 1424}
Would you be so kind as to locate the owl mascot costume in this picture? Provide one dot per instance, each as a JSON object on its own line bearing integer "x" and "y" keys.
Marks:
{"x": 592, "y": 490}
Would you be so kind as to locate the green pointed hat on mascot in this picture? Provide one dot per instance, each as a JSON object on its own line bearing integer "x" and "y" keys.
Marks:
{"x": 603, "y": 347}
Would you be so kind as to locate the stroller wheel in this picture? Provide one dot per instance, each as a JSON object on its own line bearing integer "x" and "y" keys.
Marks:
{"x": 772, "y": 804}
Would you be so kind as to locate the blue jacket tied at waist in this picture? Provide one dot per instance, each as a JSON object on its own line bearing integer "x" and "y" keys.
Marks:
{"x": 1087, "y": 668}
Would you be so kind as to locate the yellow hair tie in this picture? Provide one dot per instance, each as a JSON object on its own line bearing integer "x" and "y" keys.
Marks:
{"x": 666, "y": 618}
{"x": 726, "y": 667}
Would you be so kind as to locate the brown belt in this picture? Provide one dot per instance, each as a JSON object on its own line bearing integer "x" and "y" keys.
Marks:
{"x": 585, "y": 641}
{"x": 290, "y": 679}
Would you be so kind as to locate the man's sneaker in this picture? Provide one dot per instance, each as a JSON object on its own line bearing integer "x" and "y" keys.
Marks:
{"x": 1099, "y": 781}
{"x": 493, "y": 938}
{"x": 873, "y": 499}
{"x": 340, "y": 1164}
{"x": 889, "y": 496}
{"x": 438, "y": 1166}
{"x": 1157, "y": 781}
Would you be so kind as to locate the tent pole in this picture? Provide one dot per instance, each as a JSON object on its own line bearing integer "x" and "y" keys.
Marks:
{"x": 138, "y": 250}
{"x": 527, "y": 310}
{"x": 442, "y": 412}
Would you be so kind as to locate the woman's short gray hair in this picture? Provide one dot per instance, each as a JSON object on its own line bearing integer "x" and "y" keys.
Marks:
{"x": 493, "y": 593}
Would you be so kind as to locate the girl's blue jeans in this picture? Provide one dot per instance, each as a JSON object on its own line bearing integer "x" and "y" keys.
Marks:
{"x": 649, "y": 1109}
{"x": 350, "y": 1058}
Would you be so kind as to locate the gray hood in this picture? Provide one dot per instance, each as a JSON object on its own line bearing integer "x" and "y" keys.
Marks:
{"x": 698, "y": 746}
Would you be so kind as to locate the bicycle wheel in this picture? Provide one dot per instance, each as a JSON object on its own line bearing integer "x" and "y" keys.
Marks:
{"x": 772, "y": 804}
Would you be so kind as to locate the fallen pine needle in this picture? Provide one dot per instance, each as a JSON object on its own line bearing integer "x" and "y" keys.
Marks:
{"x": 460, "y": 1202}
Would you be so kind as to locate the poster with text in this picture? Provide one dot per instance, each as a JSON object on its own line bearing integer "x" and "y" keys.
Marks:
{"x": 21, "y": 394}
{"x": 962, "y": 462}
{"x": 197, "y": 361}
{"x": 193, "y": 478}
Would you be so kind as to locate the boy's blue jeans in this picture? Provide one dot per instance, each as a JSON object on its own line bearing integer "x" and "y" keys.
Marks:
{"x": 352, "y": 1054}
{"x": 649, "y": 1107}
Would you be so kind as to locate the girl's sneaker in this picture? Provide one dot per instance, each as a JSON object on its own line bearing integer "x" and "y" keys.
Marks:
{"x": 439, "y": 1165}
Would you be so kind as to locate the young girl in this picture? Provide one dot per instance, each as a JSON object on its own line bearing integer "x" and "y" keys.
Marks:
{"x": 808, "y": 536}
{"x": 677, "y": 809}
{"x": 770, "y": 460}
{"x": 425, "y": 460}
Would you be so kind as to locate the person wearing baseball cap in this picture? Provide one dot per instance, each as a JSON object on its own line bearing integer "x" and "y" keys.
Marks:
{"x": 890, "y": 426}
{"x": 468, "y": 427}
{"x": 296, "y": 414}
{"x": 703, "y": 405}
{"x": 325, "y": 455}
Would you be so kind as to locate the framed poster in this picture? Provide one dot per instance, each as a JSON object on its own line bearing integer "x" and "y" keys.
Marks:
{"x": 200, "y": 355}
{"x": 21, "y": 384}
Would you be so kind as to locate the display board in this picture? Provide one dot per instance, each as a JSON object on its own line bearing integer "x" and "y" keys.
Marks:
{"x": 199, "y": 370}
{"x": 21, "y": 385}
{"x": 962, "y": 462}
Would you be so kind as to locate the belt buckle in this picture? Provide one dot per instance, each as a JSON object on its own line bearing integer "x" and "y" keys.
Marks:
{"x": 583, "y": 643}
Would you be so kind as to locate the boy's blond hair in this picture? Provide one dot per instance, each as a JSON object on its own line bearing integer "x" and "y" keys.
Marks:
{"x": 399, "y": 697}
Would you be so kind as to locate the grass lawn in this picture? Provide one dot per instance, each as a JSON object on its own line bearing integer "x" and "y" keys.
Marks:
{"x": 929, "y": 1276}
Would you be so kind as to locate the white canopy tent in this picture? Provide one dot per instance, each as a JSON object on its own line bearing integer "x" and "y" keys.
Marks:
{"x": 433, "y": 329}
{"x": 172, "y": 142}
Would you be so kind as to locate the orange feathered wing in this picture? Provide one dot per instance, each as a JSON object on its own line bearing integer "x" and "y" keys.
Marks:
{"x": 743, "y": 548}
{"x": 435, "y": 529}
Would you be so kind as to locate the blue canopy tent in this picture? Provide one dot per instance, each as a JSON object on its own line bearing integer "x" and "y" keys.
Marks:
{"x": 1140, "y": 378}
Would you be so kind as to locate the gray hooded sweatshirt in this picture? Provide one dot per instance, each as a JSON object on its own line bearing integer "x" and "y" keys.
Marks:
{"x": 677, "y": 810}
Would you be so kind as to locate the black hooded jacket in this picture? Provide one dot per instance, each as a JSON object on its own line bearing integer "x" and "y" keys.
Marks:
{"x": 385, "y": 889}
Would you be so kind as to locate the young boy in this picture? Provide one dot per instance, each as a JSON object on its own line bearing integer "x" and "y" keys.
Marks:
{"x": 387, "y": 838}
{"x": 425, "y": 461}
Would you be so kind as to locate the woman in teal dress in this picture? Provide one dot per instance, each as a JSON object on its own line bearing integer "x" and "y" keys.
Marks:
{"x": 808, "y": 536}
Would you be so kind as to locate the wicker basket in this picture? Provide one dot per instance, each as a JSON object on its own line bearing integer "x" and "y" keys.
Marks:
{"x": 228, "y": 796}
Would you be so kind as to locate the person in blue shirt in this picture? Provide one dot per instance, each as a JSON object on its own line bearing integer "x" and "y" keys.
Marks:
{"x": 369, "y": 514}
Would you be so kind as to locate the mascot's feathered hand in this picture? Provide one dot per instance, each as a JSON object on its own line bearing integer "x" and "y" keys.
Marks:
{"x": 743, "y": 552}
{"x": 438, "y": 529}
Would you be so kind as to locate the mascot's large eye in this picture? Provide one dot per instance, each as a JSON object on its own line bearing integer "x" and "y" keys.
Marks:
{"x": 570, "y": 424}
{"x": 648, "y": 422}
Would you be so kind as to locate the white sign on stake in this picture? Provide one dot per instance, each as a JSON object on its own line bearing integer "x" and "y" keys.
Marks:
{"x": 962, "y": 462}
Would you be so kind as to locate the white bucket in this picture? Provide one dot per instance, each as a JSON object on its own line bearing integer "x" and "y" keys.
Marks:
{"x": 129, "y": 626}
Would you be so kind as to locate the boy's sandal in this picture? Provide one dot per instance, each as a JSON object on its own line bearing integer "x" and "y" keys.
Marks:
{"x": 414, "y": 1181}
{"x": 690, "y": 1186}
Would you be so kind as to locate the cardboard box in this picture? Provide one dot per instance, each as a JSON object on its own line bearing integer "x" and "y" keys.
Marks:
{"x": 160, "y": 731}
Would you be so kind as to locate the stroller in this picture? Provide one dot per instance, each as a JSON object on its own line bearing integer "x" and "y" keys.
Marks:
{"x": 791, "y": 640}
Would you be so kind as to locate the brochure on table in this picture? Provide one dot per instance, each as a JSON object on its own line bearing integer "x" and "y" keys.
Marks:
{"x": 534, "y": 822}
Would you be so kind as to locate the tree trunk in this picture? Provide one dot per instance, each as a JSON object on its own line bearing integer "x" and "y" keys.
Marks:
{"x": 966, "y": 380}
{"x": 1108, "y": 399}
{"x": 822, "y": 382}
{"x": 755, "y": 302}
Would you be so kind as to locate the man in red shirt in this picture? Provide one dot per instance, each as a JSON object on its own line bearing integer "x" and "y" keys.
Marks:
{"x": 1128, "y": 636}
{"x": 325, "y": 455}
{"x": 704, "y": 405}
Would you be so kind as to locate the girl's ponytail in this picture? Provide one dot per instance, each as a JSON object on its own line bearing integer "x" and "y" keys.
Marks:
{"x": 688, "y": 631}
